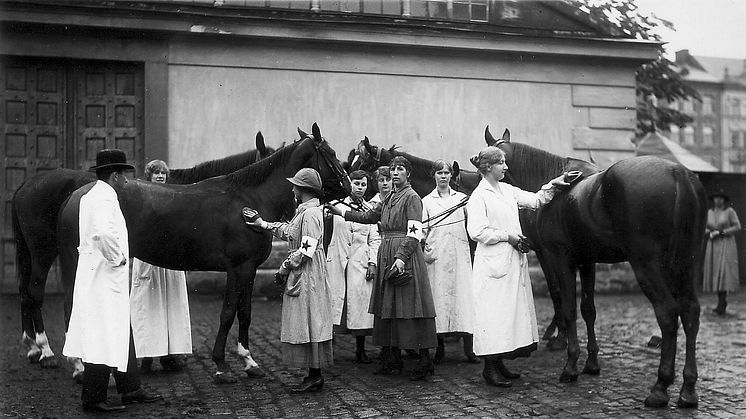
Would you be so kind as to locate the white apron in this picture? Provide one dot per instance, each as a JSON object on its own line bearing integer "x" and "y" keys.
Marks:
{"x": 99, "y": 328}
{"x": 504, "y": 313}
{"x": 352, "y": 247}
{"x": 159, "y": 310}
{"x": 448, "y": 262}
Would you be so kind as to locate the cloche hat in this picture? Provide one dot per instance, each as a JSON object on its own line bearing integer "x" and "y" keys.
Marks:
{"x": 721, "y": 193}
{"x": 307, "y": 178}
{"x": 111, "y": 158}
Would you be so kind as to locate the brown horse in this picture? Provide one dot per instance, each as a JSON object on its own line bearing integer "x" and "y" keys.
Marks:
{"x": 644, "y": 210}
{"x": 35, "y": 210}
{"x": 200, "y": 227}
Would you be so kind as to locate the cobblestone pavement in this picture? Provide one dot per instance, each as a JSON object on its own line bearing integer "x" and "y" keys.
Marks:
{"x": 625, "y": 324}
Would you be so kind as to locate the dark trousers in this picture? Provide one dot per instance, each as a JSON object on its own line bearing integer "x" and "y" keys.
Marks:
{"x": 96, "y": 378}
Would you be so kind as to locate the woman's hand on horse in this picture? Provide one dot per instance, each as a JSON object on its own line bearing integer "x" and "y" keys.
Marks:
{"x": 559, "y": 181}
{"x": 253, "y": 219}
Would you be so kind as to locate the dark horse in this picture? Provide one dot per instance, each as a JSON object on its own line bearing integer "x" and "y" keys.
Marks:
{"x": 644, "y": 210}
{"x": 200, "y": 227}
{"x": 35, "y": 210}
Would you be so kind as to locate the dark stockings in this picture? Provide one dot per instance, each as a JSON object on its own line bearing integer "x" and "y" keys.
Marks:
{"x": 722, "y": 302}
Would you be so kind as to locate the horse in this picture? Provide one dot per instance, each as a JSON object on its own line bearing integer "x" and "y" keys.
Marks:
{"x": 35, "y": 210}
{"x": 200, "y": 227}
{"x": 645, "y": 210}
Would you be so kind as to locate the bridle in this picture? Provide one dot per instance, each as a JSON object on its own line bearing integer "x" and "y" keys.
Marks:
{"x": 321, "y": 155}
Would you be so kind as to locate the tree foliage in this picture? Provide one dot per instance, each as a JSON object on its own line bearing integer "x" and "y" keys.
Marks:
{"x": 659, "y": 78}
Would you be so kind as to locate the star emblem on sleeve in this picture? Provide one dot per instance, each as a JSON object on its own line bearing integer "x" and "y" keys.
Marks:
{"x": 413, "y": 229}
{"x": 305, "y": 245}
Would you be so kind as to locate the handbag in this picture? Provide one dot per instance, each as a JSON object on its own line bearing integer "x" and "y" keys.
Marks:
{"x": 396, "y": 277}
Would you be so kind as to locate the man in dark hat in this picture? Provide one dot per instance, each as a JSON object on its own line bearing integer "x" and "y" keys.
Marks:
{"x": 99, "y": 332}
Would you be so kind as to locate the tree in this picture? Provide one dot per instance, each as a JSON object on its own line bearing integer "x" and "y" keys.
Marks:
{"x": 659, "y": 78}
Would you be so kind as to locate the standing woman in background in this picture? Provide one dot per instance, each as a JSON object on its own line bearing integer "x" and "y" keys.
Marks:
{"x": 721, "y": 255}
{"x": 159, "y": 305}
{"x": 382, "y": 176}
{"x": 351, "y": 262}
{"x": 402, "y": 302}
{"x": 504, "y": 314}
{"x": 448, "y": 261}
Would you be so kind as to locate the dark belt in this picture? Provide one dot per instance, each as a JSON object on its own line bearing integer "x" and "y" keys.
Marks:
{"x": 394, "y": 234}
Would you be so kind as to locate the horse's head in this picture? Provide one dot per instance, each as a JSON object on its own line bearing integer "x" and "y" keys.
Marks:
{"x": 315, "y": 152}
{"x": 370, "y": 157}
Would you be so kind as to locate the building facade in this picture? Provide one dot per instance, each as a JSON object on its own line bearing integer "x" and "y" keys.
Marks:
{"x": 189, "y": 81}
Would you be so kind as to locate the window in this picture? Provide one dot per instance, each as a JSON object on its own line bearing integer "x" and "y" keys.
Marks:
{"x": 689, "y": 135}
{"x": 469, "y": 10}
{"x": 706, "y": 105}
{"x": 686, "y": 106}
{"x": 736, "y": 139}
{"x": 707, "y": 136}
{"x": 735, "y": 107}
{"x": 674, "y": 132}
{"x": 742, "y": 111}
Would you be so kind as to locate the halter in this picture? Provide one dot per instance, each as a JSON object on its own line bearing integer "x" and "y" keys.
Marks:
{"x": 337, "y": 171}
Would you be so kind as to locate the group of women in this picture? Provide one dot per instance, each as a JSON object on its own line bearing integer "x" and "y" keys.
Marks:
{"x": 377, "y": 278}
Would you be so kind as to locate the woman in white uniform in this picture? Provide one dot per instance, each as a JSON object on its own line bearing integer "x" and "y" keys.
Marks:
{"x": 159, "y": 305}
{"x": 448, "y": 261}
{"x": 504, "y": 315}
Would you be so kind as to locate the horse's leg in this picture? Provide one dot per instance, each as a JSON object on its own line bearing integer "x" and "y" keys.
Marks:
{"x": 227, "y": 314}
{"x": 251, "y": 368}
{"x": 39, "y": 270}
{"x": 560, "y": 341}
{"x": 646, "y": 266}
{"x": 68, "y": 265}
{"x": 568, "y": 306}
{"x": 689, "y": 311}
{"x": 588, "y": 310}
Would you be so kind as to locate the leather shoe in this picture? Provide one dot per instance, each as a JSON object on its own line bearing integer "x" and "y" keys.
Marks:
{"x": 310, "y": 385}
{"x": 140, "y": 396}
{"x": 496, "y": 380}
{"x": 104, "y": 407}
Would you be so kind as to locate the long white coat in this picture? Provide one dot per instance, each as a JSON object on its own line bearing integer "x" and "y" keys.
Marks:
{"x": 504, "y": 313}
{"x": 448, "y": 262}
{"x": 352, "y": 247}
{"x": 99, "y": 328}
{"x": 159, "y": 310}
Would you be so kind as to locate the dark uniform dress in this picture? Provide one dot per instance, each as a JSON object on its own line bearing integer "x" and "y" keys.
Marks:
{"x": 404, "y": 315}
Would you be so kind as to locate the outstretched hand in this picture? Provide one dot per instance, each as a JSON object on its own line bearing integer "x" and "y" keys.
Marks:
{"x": 333, "y": 210}
{"x": 252, "y": 218}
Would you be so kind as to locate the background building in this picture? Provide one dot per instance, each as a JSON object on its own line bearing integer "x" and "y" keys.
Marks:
{"x": 189, "y": 81}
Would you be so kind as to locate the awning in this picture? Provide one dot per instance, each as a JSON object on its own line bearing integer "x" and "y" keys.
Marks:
{"x": 654, "y": 144}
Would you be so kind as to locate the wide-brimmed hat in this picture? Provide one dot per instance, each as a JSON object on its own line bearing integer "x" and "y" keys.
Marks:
{"x": 721, "y": 193}
{"x": 307, "y": 178}
{"x": 111, "y": 158}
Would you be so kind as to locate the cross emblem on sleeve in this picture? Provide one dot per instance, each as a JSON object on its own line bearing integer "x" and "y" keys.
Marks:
{"x": 305, "y": 245}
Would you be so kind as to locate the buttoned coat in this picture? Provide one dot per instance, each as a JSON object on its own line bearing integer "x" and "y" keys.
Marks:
{"x": 352, "y": 247}
{"x": 99, "y": 327}
{"x": 448, "y": 261}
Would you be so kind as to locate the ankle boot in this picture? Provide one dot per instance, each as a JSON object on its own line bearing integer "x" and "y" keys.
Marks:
{"x": 504, "y": 371}
{"x": 440, "y": 351}
{"x": 424, "y": 367}
{"x": 469, "y": 349}
{"x": 491, "y": 375}
{"x": 722, "y": 303}
{"x": 360, "y": 356}
{"x": 314, "y": 382}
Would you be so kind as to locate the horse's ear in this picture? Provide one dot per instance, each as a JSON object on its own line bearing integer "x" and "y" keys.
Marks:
{"x": 506, "y": 135}
{"x": 260, "y": 143}
{"x": 302, "y": 133}
{"x": 488, "y": 138}
{"x": 316, "y": 133}
{"x": 366, "y": 144}
{"x": 456, "y": 169}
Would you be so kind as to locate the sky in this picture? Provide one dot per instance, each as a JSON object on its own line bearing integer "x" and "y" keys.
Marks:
{"x": 711, "y": 28}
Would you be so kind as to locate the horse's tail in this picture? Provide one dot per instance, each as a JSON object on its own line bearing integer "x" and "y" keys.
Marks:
{"x": 684, "y": 258}
{"x": 23, "y": 252}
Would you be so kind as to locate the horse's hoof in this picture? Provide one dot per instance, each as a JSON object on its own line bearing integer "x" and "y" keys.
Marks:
{"x": 225, "y": 378}
{"x": 595, "y": 370}
{"x": 555, "y": 344}
{"x": 656, "y": 399}
{"x": 255, "y": 372}
{"x": 33, "y": 356}
{"x": 48, "y": 362}
{"x": 568, "y": 378}
{"x": 688, "y": 400}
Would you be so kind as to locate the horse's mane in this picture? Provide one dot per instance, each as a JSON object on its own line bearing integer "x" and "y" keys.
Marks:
{"x": 214, "y": 167}
{"x": 531, "y": 167}
{"x": 419, "y": 164}
{"x": 257, "y": 173}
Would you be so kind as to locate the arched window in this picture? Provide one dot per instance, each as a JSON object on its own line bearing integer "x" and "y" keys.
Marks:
{"x": 689, "y": 136}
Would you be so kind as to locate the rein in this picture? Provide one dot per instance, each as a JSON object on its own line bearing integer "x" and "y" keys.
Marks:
{"x": 445, "y": 213}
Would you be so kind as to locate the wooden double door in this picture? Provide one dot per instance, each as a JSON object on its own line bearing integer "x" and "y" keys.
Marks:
{"x": 60, "y": 113}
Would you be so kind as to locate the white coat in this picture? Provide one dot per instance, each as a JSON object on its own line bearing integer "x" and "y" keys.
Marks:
{"x": 352, "y": 247}
{"x": 99, "y": 328}
{"x": 448, "y": 262}
{"x": 504, "y": 313}
{"x": 159, "y": 310}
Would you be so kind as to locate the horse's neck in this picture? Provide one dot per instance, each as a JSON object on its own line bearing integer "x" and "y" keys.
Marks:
{"x": 213, "y": 168}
